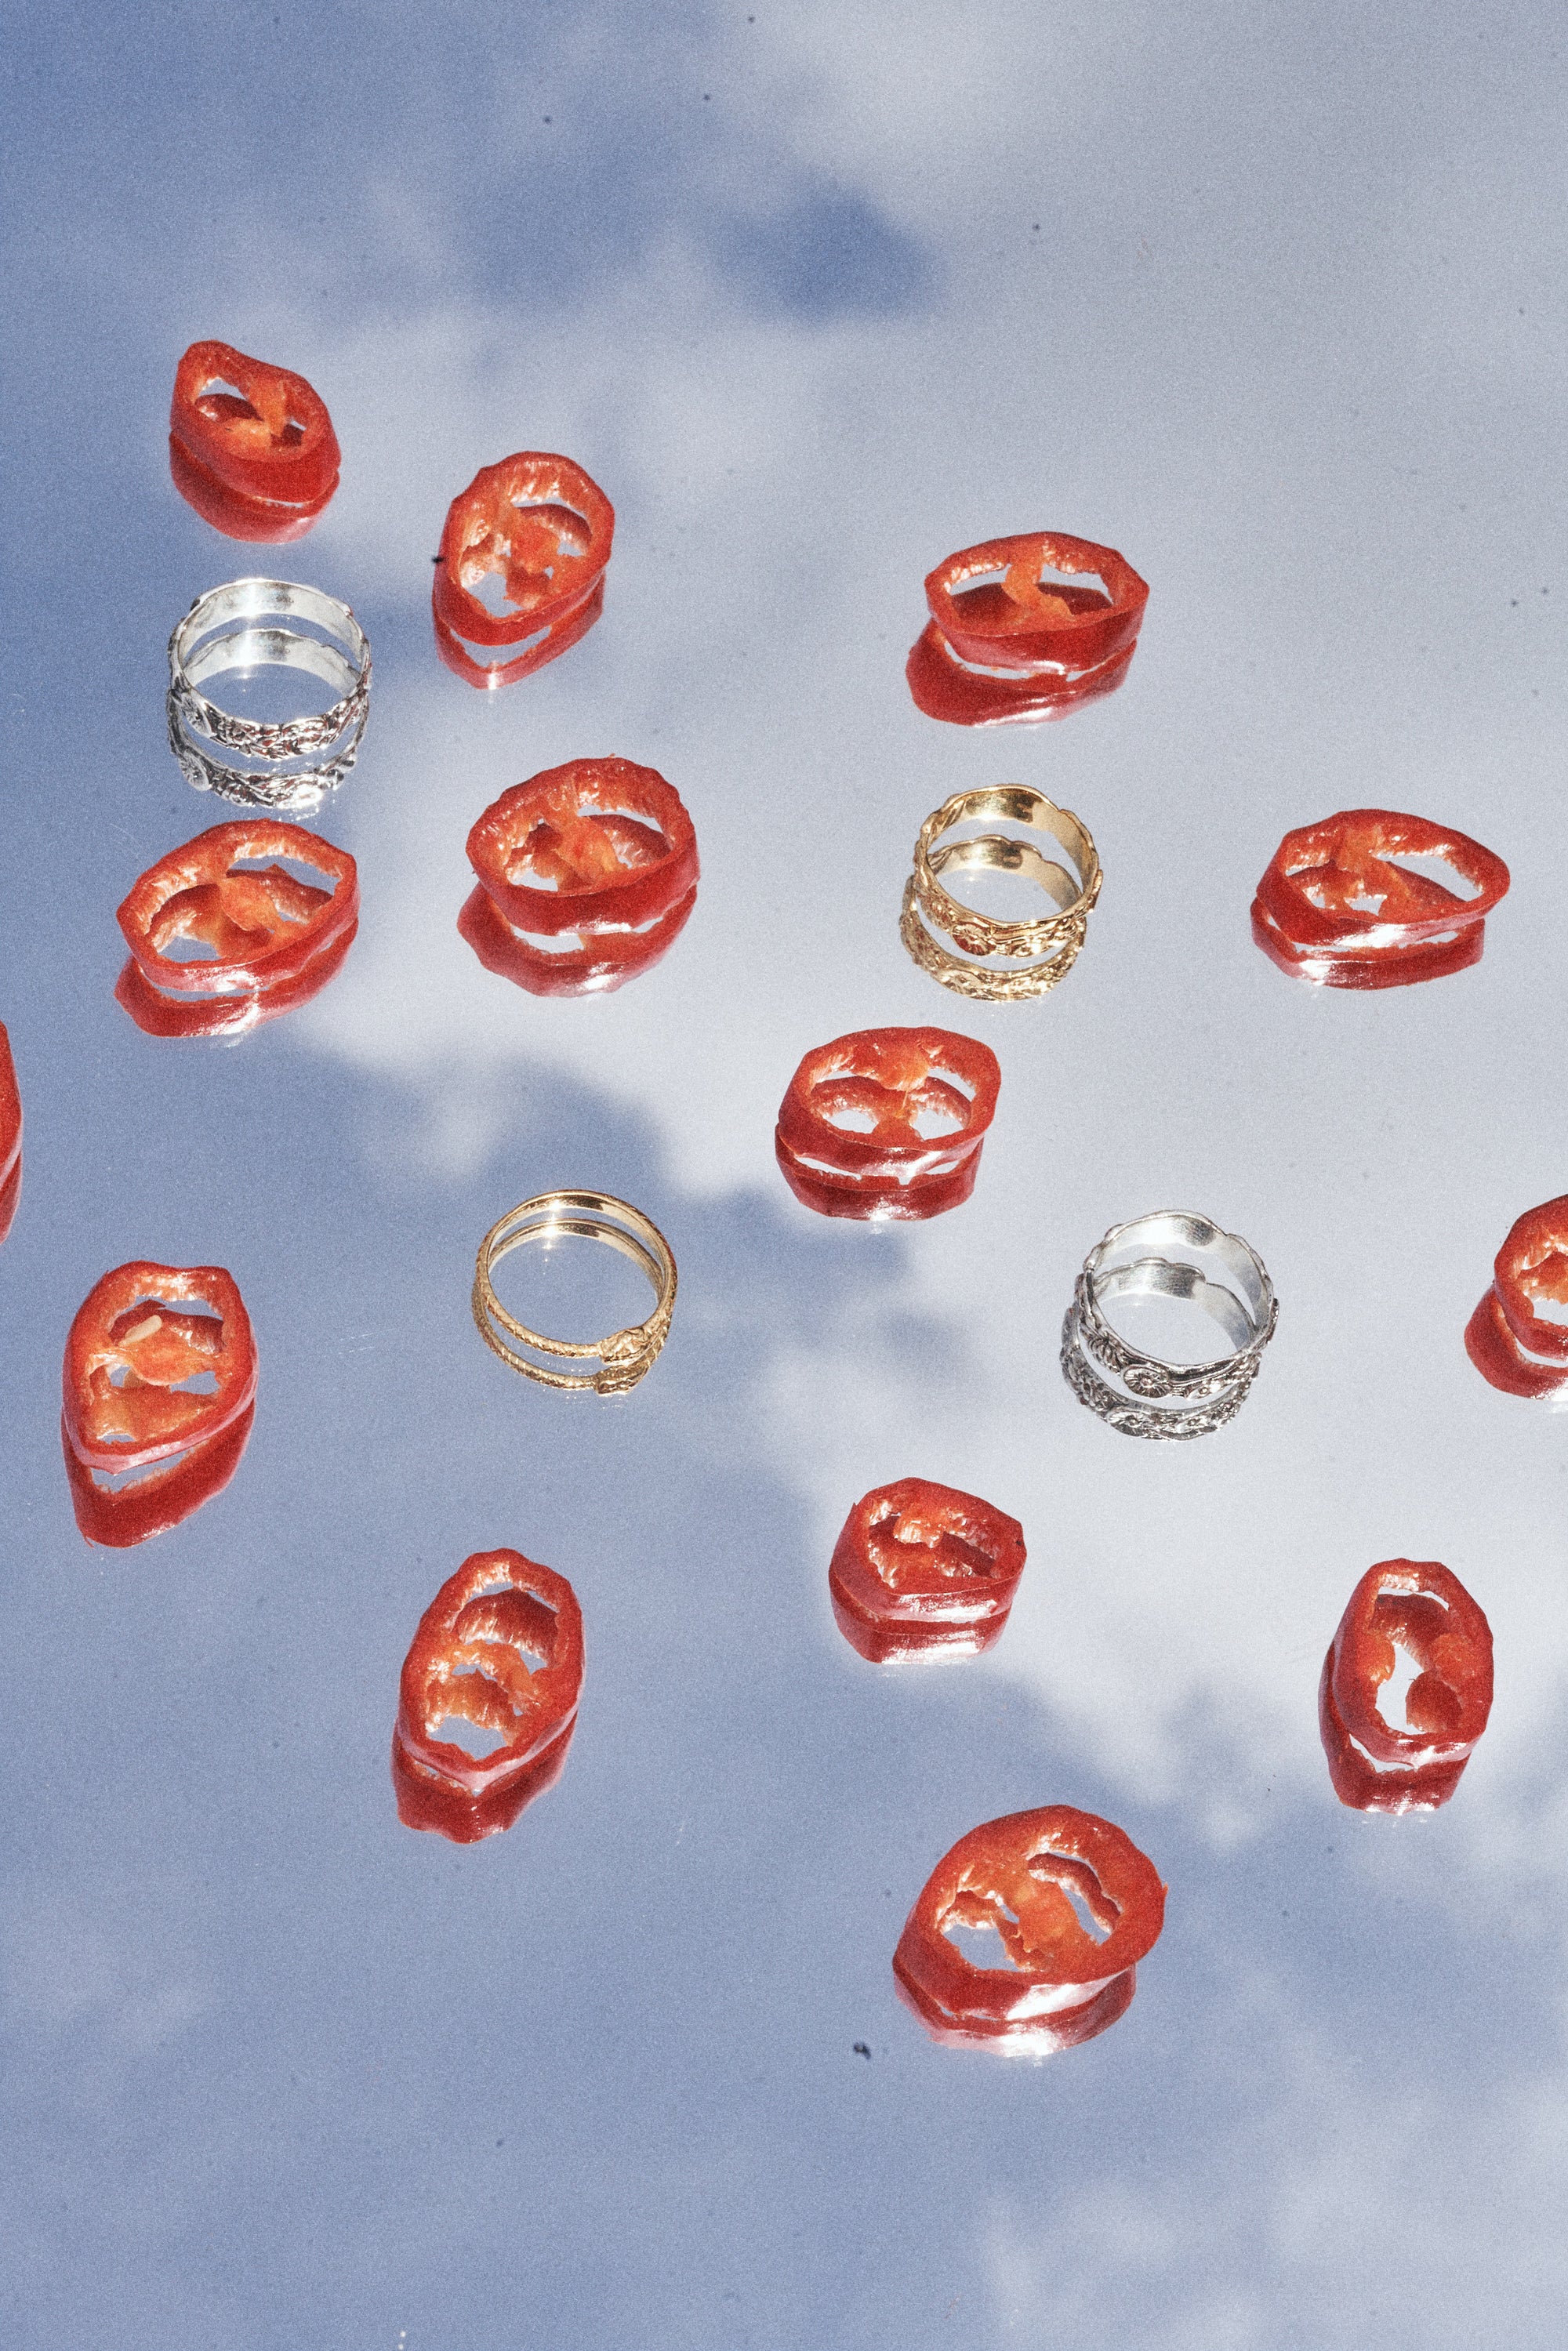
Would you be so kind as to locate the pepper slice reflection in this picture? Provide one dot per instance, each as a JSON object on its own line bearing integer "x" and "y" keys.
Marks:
{"x": 142, "y": 1333}
{"x": 1509, "y": 1341}
{"x": 603, "y": 849}
{"x": 1022, "y": 1876}
{"x": 1336, "y": 908}
{"x": 469, "y": 1660}
{"x": 1377, "y": 1766}
{"x": 921, "y": 1568}
{"x": 887, "y": 1081}
{"x": 538, "y": 524}
{"x": 10, "y": 1135}
{"x": 261, "y": 463}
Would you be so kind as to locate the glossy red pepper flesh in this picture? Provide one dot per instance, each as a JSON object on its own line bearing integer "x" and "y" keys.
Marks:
{"x": 264, "y": 925}
{"x": 259, "y": 463}
{"x": 10, "y": 1135}
{"x": 1378, "y": 1766}
{"x": 921, "y": 1568}
{"x": 1532, "y": 1269}
{"x": 1003, "y": 643}
{"x": 541, "y": 527}
{"x": 888, "y": 1081}
{"x": 1017, "y": 1875}
{"x": 141, "y": 1332}
{"x": 598, "y": 850}
{"x": 469, "y": 1660}
{"x": 1336, "y": 908}
{"x": 595, "y": 844}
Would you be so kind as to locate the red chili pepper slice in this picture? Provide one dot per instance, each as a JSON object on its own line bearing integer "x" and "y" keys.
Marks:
{"x": 263, "y": 926}
{"x": 1057, "y": 642}
{"x": 141, "y": 1332}
{"x": 261, "y": 464}
{"x": 1419, "y": 1606}
{"x": 153, "y": 1327}
{"x": 921, "y": 1568}
{"x": 539, "y": 525}
{"x": 1335, "y": 908}
{"x": 119, "y": 1516}
{"x": 888, "y": 1079}
{"x": 1509, "y": 1340}
{"x": 603, "y": 849}
{"x": 1020, "y": 1875}
{"x": 10, "y": 1135}
{"x": 469, "y": 1659}
{"x": 595, "y": 844}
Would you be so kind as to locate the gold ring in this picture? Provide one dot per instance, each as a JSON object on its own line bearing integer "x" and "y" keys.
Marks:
{"x": 625, "y": 1355}
{"x": 932, "y": 915}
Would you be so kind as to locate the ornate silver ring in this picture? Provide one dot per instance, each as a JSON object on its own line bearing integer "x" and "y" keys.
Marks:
{"x": 1142, "y": 1395}
{"x": 239, "y": 629}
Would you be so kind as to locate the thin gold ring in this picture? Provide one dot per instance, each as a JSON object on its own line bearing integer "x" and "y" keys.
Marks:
{"x": 625, "y": 1355}
{"x": 932, "y": 922}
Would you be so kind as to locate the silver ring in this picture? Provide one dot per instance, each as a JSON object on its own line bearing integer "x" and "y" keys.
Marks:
{"x": 1153, "y": 1397}
{"x": 235, "y": 627}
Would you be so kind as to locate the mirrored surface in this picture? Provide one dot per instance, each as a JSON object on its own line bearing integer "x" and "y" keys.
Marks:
{"x": 1266, "y": 301}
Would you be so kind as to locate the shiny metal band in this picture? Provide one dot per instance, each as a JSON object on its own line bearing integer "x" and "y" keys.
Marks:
{"x": 1156, "y": 1398}
{"x": 221, "y": 633}
{"x": 625, "y": 1355}
{"x": 941, "y": 933}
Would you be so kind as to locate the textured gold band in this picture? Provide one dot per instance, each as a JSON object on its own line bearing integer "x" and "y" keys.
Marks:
{"x": 984, "y": 981}
{"x": 624, "y": 1355}
{"x": 931, "y": 915}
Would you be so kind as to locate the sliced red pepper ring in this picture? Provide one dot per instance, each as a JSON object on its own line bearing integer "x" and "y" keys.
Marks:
{"x": 119, "y": 1516}
{"x": 138, "y": 1336}
{"x": 1336, "y": 908}
{"x": 10, "y": 1135}
{"x": 262, "y": 924}
{"x": 1006, "y": 643}
{"x": 1024, "y": 1875}
{"x": 602, "y": 849}
{"x": 1419, "y": 1606}
{"x": 536, "y": 523}
{"x": 595, "y": 844}
{"x": 888, "y": 1081}
{"x": 921, "y": 1568}
{"x": 1531, "y": 1268}
{"x": 1022, "y": 619}
{"x": 469, "y": 1660}
{"x": 265, "y": 452}
{"x": 1498, "y": 1355}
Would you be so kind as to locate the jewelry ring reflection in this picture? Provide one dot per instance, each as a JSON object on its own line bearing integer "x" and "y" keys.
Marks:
{"x": 625, "y": 1355}
{"x": 932, "y": 922}
{"x": 1153, "y": 1397}
{"x": 236, "y": 628}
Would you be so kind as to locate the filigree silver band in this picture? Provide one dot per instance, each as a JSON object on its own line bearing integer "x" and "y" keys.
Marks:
{"x": 1153, "y": 1397}
{"x": 234, "y": 629}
